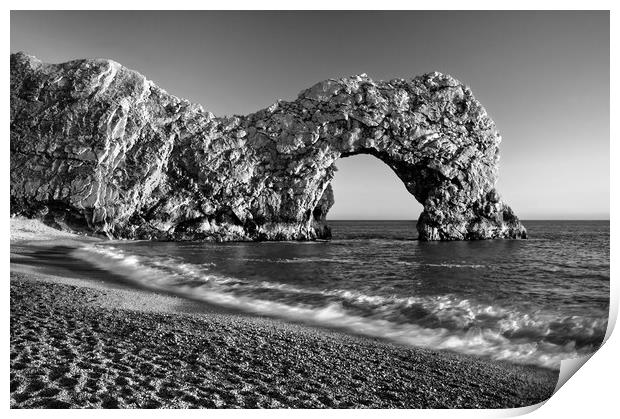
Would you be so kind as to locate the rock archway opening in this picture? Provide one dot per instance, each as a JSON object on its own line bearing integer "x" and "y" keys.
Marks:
{"x": 366, "y": 188}
{"x": 98, "y": 142}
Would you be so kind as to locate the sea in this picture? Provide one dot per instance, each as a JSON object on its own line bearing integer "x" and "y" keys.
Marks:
{"x": 534, "y": 302}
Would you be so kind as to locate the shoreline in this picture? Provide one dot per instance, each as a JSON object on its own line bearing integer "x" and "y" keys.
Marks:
{"x": 92, "y": 341}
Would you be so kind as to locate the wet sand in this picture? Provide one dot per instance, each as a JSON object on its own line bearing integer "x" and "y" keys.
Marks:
{"x": 87, "y": 339}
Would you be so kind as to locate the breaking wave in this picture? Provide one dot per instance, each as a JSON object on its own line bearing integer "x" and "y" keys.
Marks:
{"x": 443, "y": 322}
{"x": 454, "y": 265}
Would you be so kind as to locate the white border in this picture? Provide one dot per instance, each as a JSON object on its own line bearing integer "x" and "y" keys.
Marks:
{"x": 593, "y": 389}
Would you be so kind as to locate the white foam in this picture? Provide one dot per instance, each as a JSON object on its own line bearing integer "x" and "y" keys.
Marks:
{"x": 455, "y": 265}
{"x": 467, "y": 337}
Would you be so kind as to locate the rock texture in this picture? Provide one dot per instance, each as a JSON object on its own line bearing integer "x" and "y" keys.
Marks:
{"x": 98, "y": 146}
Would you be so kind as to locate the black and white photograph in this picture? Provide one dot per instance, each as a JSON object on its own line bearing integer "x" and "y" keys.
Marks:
{"x": 306, "y": 209}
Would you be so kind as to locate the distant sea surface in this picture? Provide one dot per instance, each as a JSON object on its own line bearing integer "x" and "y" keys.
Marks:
{"x": 534, "y": 301}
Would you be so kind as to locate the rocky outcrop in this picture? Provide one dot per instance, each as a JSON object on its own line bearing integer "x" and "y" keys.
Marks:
{"x": 98, "y": 146}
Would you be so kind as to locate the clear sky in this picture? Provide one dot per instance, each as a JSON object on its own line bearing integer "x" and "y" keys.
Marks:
{"x": 542, "y": 76}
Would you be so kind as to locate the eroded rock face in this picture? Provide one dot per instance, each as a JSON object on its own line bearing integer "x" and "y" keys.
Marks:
{"x": 96, "y": 145}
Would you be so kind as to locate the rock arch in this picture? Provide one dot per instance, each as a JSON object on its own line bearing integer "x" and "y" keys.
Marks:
{"x": 98, "y": 145}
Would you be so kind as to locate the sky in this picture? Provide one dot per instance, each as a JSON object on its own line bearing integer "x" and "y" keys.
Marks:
{"x": 543, "y": 77}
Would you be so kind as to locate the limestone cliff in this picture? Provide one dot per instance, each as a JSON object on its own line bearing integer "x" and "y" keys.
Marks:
{"x": 98, "y": 146}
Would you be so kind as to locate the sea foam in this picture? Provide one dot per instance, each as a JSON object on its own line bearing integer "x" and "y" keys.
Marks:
{"x": 442, "y": 322}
